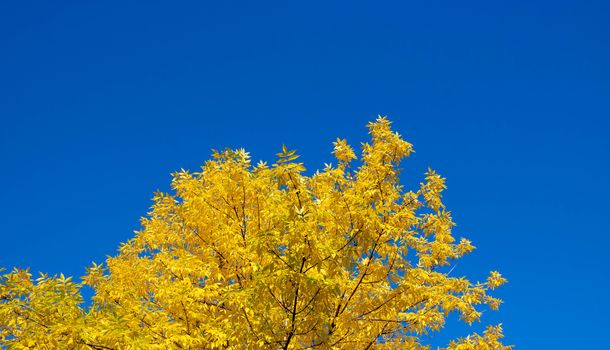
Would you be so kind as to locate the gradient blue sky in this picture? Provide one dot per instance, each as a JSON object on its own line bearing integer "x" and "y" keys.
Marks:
{"x": 101, "y": 100}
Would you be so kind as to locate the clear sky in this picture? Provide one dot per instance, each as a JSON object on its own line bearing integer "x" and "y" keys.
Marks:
{"x": 101, "y": 100}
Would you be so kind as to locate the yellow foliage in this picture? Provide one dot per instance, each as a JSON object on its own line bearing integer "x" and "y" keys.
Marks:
{"x": 249, "y": 257}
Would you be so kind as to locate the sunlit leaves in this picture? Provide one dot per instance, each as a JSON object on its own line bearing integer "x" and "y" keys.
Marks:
{"x": 244, "y": 257}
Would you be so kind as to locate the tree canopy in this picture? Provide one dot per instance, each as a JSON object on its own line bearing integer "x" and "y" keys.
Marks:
{"x": 244, "y": 256}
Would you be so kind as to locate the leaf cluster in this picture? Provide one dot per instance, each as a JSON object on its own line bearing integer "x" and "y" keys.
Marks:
{"x": 244, "y": 256}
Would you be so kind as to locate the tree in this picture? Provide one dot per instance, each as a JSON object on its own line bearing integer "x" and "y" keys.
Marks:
{"x": 246, "y": 257}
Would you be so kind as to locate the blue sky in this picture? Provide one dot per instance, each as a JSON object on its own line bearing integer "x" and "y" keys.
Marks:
{"x": 510, "y": 100}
